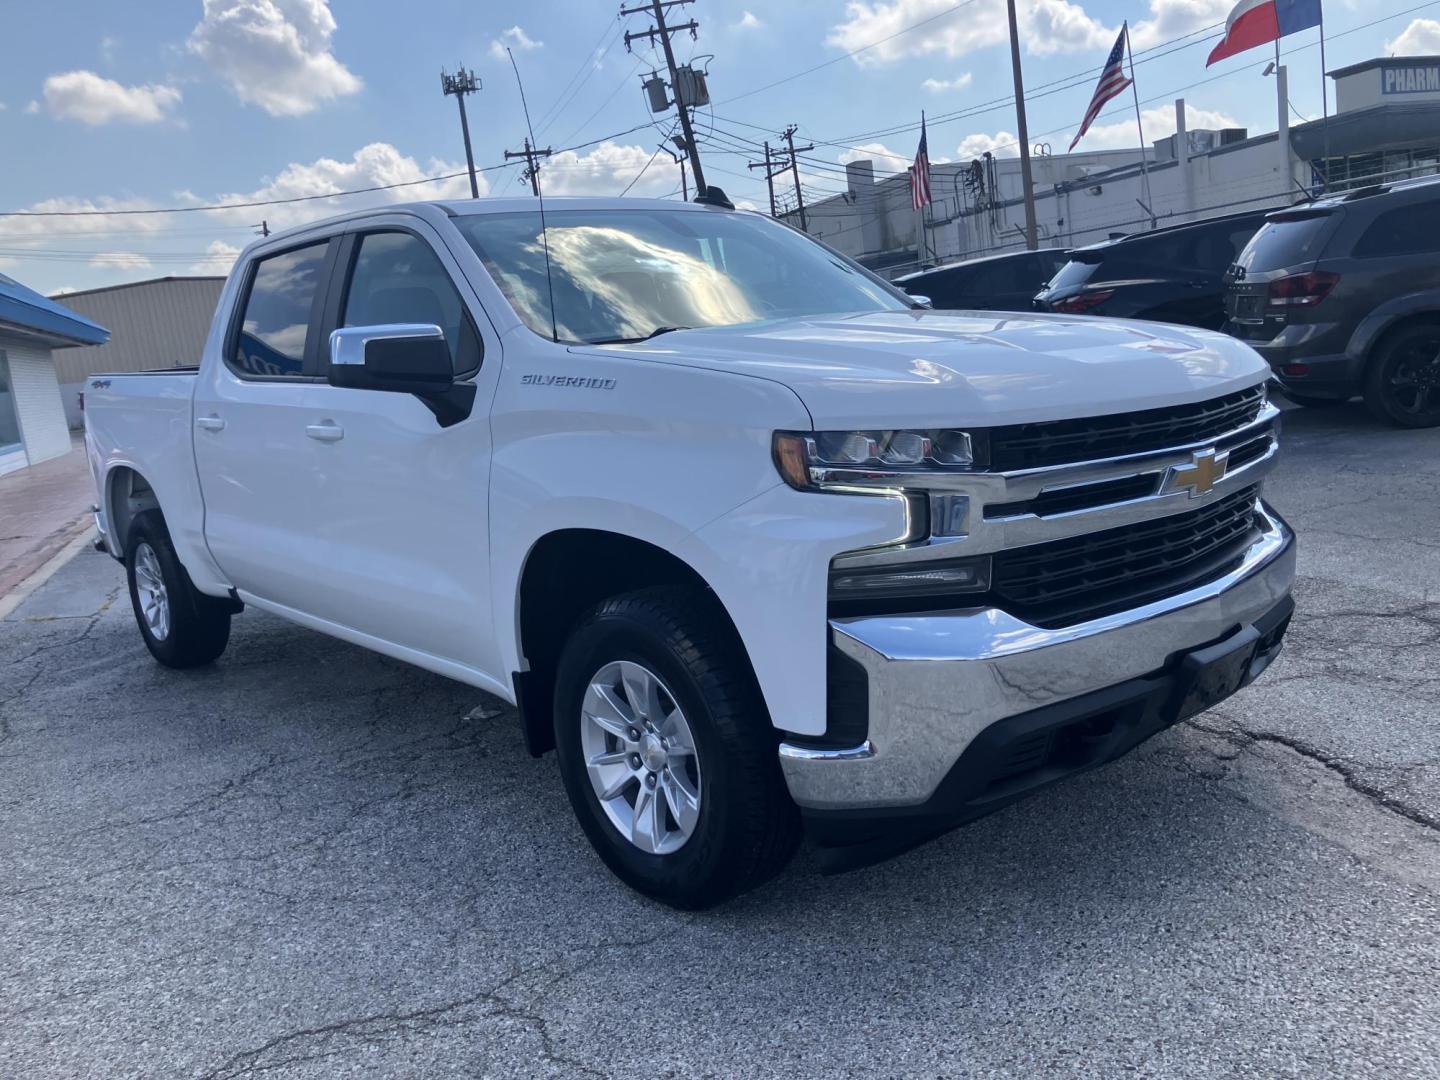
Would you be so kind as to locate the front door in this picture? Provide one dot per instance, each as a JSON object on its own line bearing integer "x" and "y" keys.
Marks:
{"x": 395, "y": 504}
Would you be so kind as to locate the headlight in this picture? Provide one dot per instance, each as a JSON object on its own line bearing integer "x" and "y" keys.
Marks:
{"x": 820, "y": 459}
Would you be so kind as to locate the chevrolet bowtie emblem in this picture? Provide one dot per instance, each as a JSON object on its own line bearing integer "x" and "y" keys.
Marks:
{"x": 1206, "y": 469}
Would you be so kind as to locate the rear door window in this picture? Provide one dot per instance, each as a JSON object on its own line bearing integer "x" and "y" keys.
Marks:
{"x": 277, "y": 322}
{"x": 1405, "y": 230}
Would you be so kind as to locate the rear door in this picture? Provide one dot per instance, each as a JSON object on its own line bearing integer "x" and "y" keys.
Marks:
{"x": 250, "y": 412}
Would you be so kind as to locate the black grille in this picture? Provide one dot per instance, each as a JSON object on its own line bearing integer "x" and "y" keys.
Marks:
{"x": 1063, "y": 442}
{"x": 1069, "y": 581}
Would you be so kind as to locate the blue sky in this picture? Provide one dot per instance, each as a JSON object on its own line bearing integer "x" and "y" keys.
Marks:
{"x": 162, "y": 104}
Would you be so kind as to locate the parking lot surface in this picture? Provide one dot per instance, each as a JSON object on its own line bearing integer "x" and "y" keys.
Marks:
{"x": 308, "y": 860}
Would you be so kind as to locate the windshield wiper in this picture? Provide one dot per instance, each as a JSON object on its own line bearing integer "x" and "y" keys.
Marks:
{"x": 646, "y": 337}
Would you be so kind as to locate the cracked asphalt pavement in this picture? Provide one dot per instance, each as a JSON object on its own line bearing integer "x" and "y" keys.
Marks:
{"x": 309, "y": 861}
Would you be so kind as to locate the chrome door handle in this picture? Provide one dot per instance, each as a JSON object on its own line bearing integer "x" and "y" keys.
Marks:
{"x": 210, "y": 423}
{"x": 326, "y": 432}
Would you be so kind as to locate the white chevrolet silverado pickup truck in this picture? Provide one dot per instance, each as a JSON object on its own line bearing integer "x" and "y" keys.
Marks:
{"x": 757, "y": 545}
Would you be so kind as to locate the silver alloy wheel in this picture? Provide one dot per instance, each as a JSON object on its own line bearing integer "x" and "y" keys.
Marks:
{"x": 641, "y": 758}
{"x": 150, "y": 588}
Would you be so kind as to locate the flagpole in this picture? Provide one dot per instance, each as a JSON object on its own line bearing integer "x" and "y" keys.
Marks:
{"x": 925, "y": 209}
{"x": 1140, "y": 128}
{"x": 1324, "y": 102}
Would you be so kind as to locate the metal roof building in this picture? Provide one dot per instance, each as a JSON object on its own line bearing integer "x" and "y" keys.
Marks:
{"x": 32, "y": 419}
{"x": 159, "y": 323}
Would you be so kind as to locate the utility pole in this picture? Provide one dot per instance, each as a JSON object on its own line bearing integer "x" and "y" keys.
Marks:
{"x": 770, "y": 174}
{"x": 532, "y": 167}
{"x": 656, "y": 9}
{"x": 461, "y": 83}
{"x": 789, "y": 136}
{"x": 1031, "y": 238}
{"x": 263, "y": 227}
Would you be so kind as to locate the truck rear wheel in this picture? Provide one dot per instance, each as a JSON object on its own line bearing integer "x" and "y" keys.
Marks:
{"x": 667, "y": 752}
{"x": 182, "y": 627}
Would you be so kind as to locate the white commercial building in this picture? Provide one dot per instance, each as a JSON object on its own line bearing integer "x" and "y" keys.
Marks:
{"x": 1386, "y": 127}
{"x": 32, "y": 419}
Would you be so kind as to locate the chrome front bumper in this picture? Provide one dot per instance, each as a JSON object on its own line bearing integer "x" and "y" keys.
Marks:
{"x": 937, "y": 680}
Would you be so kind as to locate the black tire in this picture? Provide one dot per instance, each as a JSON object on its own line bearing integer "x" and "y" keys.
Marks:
{"x": 1402, "y": 381}
{"x": 1314, "y": 402}
{"x": 747, "y": 827}
{"x": 198, "y": 625}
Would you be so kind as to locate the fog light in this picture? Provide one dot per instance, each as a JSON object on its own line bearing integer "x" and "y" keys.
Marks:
{"x": 936, "y": 579}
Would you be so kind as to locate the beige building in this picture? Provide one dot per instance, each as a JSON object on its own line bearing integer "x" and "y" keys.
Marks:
{"x": 160, "y": 323}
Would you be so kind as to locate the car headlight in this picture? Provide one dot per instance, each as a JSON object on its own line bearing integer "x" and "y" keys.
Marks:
{"x": 816, "y": 460}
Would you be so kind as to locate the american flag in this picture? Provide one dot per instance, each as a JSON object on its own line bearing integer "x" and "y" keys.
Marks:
{"x": 1112, "y": 82}
{"x": 920, "y": 172}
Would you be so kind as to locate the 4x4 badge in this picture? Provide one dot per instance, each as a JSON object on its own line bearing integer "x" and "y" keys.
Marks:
{"x": 1206, "y": 469}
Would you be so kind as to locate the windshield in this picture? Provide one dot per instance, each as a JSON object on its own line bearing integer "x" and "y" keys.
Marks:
{"x": 624, "y": 275}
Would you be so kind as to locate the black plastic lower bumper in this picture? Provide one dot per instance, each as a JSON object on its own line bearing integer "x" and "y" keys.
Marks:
{"x": 1017, "y": 756}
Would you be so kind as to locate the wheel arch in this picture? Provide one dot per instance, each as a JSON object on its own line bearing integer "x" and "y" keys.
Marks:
{"x": 127, "y": 494}
{"x": 1387, "y": 320}
{"x": 565, "y": 573}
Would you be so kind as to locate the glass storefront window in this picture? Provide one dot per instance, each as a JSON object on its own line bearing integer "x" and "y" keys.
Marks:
{"x": 9, "y": 422}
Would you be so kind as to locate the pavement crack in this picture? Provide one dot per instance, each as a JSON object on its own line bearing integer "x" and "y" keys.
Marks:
{"x": 1243, "y": 739}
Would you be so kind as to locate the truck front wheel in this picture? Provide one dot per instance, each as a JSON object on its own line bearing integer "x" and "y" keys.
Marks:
{"x": 667, "y": 752}
{"x": 182, "y": 627}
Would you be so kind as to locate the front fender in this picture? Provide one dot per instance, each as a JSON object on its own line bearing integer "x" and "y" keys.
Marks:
{"x": 634, "y": 446}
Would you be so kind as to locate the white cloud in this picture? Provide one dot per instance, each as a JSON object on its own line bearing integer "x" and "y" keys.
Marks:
{"x": 1170, "y": 19}
{"x": 886, "y": 160}
{"x": 219, "y": 257}
{"x": 1001, "y": 144}
{"x": 943, "y": 86}
{"x": 516, "y": 39}
{"x": 1046, "y": 26}
{"x": 370, "y": 166}
{"x": 606, "y": 170}
{"x": 748, "y": 21}
{"x": 274, "y": 53}
{"x": 120, "y": 260}
{"x": 1420, "y": 38}
{"x": 91, "y": 99}
{"x": 1159, "y": 122}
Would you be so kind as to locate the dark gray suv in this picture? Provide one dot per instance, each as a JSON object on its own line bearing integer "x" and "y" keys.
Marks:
{"x": 1342, "y": 297}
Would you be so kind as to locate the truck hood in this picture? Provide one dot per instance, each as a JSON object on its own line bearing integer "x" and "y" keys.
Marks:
{"x": 951, "y": 368}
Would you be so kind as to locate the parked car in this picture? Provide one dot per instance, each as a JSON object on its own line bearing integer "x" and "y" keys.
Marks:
{"x": 995, "y": 283}
{"x": 822, "y": 558}
{"x": 1174, "y": 274}
{"x": 1342, "y": 297}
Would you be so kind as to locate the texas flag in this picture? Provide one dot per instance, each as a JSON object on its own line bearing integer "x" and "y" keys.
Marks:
{"x": 1259, "y": 22}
